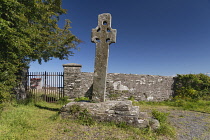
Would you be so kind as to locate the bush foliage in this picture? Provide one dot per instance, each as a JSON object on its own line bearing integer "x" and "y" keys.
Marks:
{"x": 192, "y": 86}
{"x": 29, "y": 32}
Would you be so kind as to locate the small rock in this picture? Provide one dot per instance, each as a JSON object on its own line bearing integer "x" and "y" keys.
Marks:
{"x": 154, "y": 124}
{"x": 143, "y": 115}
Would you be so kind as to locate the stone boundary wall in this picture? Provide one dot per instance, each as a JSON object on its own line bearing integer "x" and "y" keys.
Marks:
{"x": 119, "y": 86}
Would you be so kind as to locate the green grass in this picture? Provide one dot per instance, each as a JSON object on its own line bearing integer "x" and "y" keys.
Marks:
{"x": 191, "y": 105}
{"x": 50, "y": 96}
{"x": 42, "y": 121}
{"x": 26, "y": 122}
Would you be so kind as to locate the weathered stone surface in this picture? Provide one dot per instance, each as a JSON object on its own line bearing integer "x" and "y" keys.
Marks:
{"x": 72, "y": 82}
{"x": 122, "y": 86}
{"x": 112, "y": 111}
{"x": 103, "y": 35}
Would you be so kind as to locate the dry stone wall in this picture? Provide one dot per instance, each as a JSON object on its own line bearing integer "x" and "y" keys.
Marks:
{"x": 119, "y": 86}
{"x": 140, "y": 87}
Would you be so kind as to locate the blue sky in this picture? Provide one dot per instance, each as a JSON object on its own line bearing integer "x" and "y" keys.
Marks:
{"x": 154, "y": 37}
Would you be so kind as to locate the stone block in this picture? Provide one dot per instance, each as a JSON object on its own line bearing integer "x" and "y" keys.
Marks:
{"x": 111, "y": 111}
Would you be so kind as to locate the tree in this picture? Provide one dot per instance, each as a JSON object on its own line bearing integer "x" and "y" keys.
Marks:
{"x": 29, "y": 32}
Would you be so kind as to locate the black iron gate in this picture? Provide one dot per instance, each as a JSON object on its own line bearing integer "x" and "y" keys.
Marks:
{"x": 47, "y": 86}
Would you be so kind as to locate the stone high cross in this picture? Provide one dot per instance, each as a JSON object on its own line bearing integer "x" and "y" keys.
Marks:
{"x": 103, "y": 35}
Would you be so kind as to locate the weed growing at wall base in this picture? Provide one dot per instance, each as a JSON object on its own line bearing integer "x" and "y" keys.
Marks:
{"x": 114, "y": 96}
{"x": 63, "y": 100}
{"x": 79, "y": 99}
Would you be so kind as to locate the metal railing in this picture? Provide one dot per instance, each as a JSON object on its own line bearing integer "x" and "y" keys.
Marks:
{"x": 47, "y": 86}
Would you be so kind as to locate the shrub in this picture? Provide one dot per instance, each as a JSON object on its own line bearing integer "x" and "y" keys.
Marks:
{"x": 1, "y": 108}
{"x": 4, "y": 97}
{"x": 8, "y": 80}
{"x": 192, "y": 86}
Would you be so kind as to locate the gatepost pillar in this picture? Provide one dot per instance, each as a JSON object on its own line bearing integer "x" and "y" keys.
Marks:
{"x": 72, "y": 72}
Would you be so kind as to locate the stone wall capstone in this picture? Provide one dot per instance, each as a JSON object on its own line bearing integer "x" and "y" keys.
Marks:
{"x": 119, "y": 86}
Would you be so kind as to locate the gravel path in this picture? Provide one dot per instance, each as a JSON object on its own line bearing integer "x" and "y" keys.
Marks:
{"x": 190, "y": 125}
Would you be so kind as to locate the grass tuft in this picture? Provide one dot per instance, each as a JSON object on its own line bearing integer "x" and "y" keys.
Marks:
{"x": 81, "y": 99}
{"x": 165, "y": 127}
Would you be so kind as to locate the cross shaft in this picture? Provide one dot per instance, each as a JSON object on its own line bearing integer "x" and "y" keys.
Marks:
{"x": 103, "y": 35}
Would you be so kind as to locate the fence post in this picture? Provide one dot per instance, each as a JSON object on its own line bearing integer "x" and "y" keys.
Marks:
{"x": 45, "y": 85}
{"x": 72, "y": 80}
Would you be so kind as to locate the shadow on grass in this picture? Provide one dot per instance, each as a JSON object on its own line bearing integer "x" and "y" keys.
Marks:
{"x": 47, "y": 108}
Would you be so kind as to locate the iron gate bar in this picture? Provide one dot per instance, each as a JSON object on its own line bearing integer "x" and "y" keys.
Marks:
{"x": 52, "y": 86}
